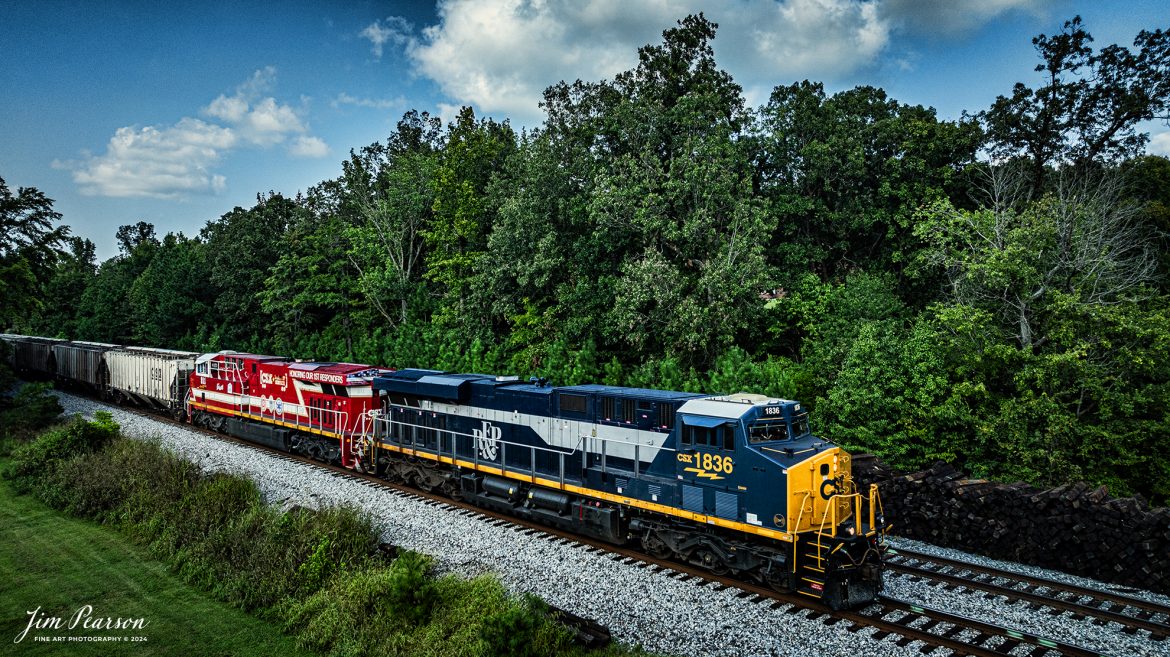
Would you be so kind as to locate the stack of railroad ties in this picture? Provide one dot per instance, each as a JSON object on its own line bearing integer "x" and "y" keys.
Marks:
{"x": 735, "y": 484}
{"x": 1074, "y": 528}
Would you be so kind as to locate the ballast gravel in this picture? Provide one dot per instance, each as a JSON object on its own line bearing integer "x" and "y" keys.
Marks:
{"x": 663, "y": 611}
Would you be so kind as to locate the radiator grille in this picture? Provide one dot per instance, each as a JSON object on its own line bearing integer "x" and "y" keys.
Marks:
{"x": 726, "y": 505}
{"x": 692, "y": 498}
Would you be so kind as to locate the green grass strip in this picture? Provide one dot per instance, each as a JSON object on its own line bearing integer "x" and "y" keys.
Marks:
{"x": 58, "y": 563}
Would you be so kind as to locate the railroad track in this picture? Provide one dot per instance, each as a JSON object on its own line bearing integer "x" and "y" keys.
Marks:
{"x": 1102, "y": 607}
{"x": 933, "y": 628}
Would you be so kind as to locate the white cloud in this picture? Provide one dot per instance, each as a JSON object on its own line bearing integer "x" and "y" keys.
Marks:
{"x": 394, "y": 31}
{"x": 179, "y": 160}
{"x": 308, "y": 147}
{"x": 372, "y": 103}
{"x": 260, "y": 121}
{"x": 933, "y": 17}
{"x": 500, "y": 55}
{"x": 1159, "y": 144}
{"x": 161, "y": 163}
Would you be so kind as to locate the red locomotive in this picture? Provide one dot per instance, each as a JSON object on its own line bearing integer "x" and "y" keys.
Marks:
{"x": 308, "y": 408}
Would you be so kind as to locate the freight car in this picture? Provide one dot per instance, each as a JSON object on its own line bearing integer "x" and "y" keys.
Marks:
{"x": 32, "y": 356}
{"x": 9, "y": 347}
{"x": 83, "y": 364}
{"x": 155, "y": 378}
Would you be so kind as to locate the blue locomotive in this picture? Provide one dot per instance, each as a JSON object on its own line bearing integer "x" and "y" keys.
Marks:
{"x": 736, "y": 484}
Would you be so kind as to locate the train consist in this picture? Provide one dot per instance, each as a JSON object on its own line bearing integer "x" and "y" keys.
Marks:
{"x": 736, "y": 484}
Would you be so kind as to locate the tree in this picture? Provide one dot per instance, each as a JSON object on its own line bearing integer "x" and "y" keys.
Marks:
{"x": 1089, "y": 105}
{"x": 1057, "y": 338}
{"x": 242, "y": 246}
{"x": 457, "y": 235}
{"x": 552, "y": 263}
{"x": 169, "y": 300}
{"x": 311, "y": 290}
{"x": 131, "y": 236}
{"x": 844, "y": 175}
{"x": 29, "y": 249}
{"x": 75, "y": 272}
{"x": 679, "y": 178}
{"x": 105, "y": 312}
{"x": 391, "y": 189}
{"x": 1147, "y": 180}
{"x": 1082, "y": 245}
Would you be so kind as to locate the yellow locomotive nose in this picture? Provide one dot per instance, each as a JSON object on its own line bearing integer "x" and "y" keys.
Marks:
{"x": 817, "y": 485}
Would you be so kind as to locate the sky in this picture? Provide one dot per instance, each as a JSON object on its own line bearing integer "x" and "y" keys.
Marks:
{"x": 176, "y": 113}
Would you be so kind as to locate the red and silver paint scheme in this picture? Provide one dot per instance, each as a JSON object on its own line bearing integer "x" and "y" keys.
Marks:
{"x": 325, "y": 400}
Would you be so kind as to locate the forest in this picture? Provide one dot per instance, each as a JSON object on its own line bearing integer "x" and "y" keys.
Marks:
{"x": 989, "y": 291}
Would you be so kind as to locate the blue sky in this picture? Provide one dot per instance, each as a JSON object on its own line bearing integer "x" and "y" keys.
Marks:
{"x": 174, "y": 114}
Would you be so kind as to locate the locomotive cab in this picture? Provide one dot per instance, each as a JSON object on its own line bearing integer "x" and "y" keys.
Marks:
{"x": 738, "y": 449}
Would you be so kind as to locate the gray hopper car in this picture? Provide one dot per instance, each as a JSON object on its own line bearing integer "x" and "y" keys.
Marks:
{"x": 83, "y": 363}
{"x": 33, "y": 355}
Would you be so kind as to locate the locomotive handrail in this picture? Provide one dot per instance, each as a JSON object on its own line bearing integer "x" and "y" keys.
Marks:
{"x": 796, "y": 528}
{"x": 571, "y": 452}
{"x": 409, "y": 446}
{"x": 340, "y": 423}
{"x": 453, "y": 432}
{"x": 875, "y": 503}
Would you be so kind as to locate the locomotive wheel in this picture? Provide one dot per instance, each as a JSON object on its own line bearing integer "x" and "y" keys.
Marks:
{"x": 778, "y": 580}
{"x": 712, "y": 562}
{"x": 451, "y": 490}
{"x": 655, "y": 546}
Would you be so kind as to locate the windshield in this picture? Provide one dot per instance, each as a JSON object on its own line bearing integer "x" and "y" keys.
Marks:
{"x": 767, "y": 431}
{"x": 800, "y": 425}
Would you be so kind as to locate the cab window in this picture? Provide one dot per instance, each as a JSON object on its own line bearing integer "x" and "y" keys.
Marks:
{"x": 800, "y": 424}
{"x": 720, "y": 437}
{"x": 768, "y": 431}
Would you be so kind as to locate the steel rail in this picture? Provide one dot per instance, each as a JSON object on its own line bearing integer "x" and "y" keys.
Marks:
{"x": 1158, "y": 630}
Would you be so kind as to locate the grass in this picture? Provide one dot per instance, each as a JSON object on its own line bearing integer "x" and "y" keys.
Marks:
{"x": 59, "y": 563}
{"x": 90, "y": 518}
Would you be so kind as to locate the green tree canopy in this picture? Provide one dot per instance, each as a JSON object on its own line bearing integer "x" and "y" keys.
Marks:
{"x": 1089, "y": 105}
{"x": 30, "y": 246}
